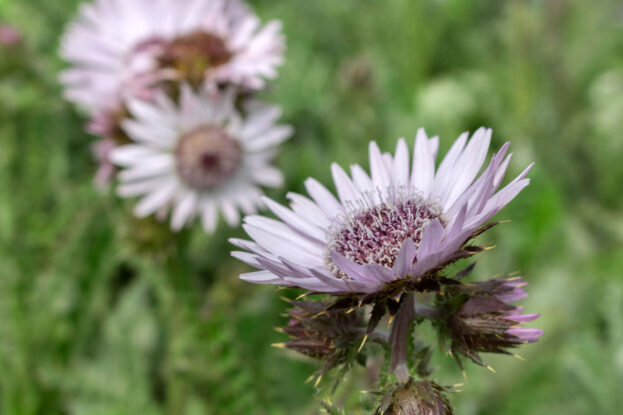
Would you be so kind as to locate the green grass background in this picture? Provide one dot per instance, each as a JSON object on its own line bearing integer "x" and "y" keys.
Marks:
{"x": 102, "y": 314}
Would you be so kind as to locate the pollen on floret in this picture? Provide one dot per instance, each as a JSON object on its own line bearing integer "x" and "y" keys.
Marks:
{"x": 206, "y": 157}
{"x": 194, "y": 53}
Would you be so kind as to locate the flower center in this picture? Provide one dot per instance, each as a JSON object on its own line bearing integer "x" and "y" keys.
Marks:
{"x": 194, "y": 53}
{"x": 206, "y": 157}
{"x": 375, "y": 234}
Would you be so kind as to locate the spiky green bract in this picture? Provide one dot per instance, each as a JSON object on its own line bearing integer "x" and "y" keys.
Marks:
{"x": 332, "y": 336}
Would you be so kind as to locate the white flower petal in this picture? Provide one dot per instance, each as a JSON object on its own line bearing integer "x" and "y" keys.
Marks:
{"x": 400, "y": 168}
{"x": 345, "y": 187}
{"x": 302, "y": 224}
{"x": 378, "y": 168}
{"x": 423, "y": 165}
{"x": 156, "y": 199}
{"x": 184, "y": 210}
{"x": 323, "y": 198}
{"x": 209, "y": 215}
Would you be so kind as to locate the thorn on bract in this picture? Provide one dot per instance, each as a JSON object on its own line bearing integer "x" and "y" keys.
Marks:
{"x": 363, "y": 342}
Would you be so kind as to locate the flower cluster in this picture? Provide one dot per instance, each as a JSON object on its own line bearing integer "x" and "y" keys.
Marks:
{"x": 382, "y": 248}
{"x": 170, "y": 88}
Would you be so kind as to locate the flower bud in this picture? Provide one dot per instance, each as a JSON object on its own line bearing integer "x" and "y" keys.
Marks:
{"x": 479, "y": 318}
{"x": 415, "y": 398}
{"x": 320, "y": 333}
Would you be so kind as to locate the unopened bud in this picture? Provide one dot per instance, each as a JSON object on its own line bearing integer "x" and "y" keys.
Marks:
{"x": 320, "y": 333}
{"x": 415, "y": 398}
{"x": 479, "y": 318}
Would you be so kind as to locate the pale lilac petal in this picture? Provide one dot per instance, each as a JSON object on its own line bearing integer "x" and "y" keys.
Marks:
{"x": 443, "y": 177}
{"x": 468, "y": 165}
{"x": 433, "y": 145}
{"x": 352, "y": 269}
{"x": 305, "y": 208}
{"x": 324, "y": 199}
{"x": 295, "y": 249}
{"x": 346, "y": 190}
{"x": 423, "y": 165}
{"x": 400, "y": 171}
{"x": 378, "y": 168}
{"x": 524, "y": 318}
{"x": 247, "y": 257}
{"x": 527, "y": 335}
{"x": 363, "y": 181}
{"x": 431, "y": 239}
{"x": 405, "y": 258}
{"x": 304, "y": 225}
{"x": 263, "y": 277}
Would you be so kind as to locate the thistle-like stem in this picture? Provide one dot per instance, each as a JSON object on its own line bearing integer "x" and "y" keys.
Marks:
{"x": 399, "y": 338}
{"x": 423, "y": 310}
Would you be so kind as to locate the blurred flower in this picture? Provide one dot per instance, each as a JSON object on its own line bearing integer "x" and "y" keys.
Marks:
{"x": 479, "y": 318}
{"x": 9, "y": 35}
{"x": 416, "y": 398}
{"x": 198, "y": 156}
{"x": 357, "y": 74}
{"x": 101, "y": 150}
{"x": 124, "y": 48}
{"x": 105, "y": 123}
{"x": 387, "y": 231}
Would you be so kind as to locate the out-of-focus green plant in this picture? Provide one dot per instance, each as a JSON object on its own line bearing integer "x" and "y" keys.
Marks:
{"x": 88, "y": 326}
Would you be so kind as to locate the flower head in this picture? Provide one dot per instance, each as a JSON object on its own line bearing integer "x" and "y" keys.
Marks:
{"x": 415, "y": 398}
{"x": 479, "y": 318}
{"x": 123, "y": 48}
{"x": 388, "y": 231}
{"x": 320, "y": 333}
{"x": 198, "y": 156}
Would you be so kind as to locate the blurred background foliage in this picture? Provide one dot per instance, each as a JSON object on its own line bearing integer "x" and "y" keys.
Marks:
{"x": 103, "y": 314}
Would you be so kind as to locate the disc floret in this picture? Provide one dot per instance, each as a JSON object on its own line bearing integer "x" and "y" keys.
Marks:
{"x": 374, "y": 234}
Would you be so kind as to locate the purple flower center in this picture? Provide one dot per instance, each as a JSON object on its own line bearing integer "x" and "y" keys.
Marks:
{"x": 375, "y": 235}
{"x": 193, "y": 54}
{"x": 206, "y": 157}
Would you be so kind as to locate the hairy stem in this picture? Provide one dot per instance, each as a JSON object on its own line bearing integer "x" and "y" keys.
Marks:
{"x": 399, "y": 339}
{"x": 423, "y": 310}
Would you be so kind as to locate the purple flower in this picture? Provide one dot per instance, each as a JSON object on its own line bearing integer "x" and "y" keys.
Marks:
{"x": 386, "y": 229}
{"x": 478, "y": 318}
